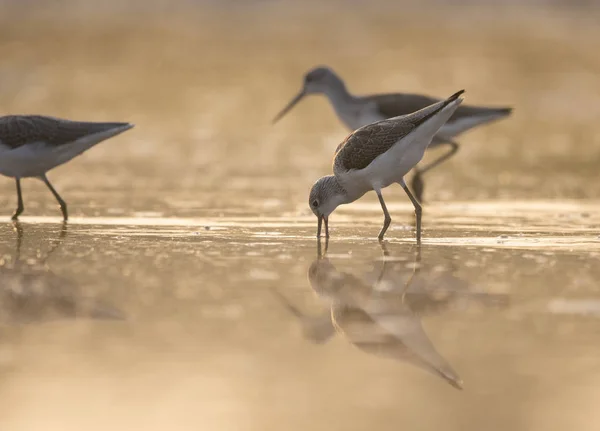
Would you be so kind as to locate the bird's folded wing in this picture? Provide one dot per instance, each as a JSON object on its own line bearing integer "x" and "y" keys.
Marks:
{"x": 367, "y": 143}
{"x": 18, "y": 130}
{"x": 394, "y": 105}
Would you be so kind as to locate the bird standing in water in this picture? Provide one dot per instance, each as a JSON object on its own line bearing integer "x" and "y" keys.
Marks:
{"x": 376, "y": 156}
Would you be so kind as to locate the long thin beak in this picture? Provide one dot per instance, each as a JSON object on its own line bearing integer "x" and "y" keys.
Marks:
{"x": 289, "y": 106}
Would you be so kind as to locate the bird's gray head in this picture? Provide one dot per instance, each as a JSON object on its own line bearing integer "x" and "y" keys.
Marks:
{"x": 321, "y": 79}
{"x": 325, "y": 196}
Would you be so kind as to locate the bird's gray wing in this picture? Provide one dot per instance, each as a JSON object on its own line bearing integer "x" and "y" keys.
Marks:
{"x": 393, "y": 105}
{"x": 18, "y": 130}
{"x": 367, "y": 143}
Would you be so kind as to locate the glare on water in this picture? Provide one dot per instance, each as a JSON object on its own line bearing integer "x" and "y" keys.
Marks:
{"x": 188, "y": 291}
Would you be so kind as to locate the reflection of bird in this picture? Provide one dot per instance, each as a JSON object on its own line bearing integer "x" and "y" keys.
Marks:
{"x": 31, "y": 145}
{"x": 432, "y": 291}
{"x": 376, "y": 156}
{"x": 376, "y": 322}
{"x": 30, "y": 292}
{"x": 358, "y": 111}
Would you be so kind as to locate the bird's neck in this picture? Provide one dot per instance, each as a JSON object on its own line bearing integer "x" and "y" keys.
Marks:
{"x": 349, "y": 190}
{"x": 343, "y": 195}
{"x": 347, "y": 107}
{"x": 339, "y": 96}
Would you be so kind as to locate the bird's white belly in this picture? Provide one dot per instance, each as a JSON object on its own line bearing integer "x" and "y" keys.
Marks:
{"x": 394, "y": 164}
{"x": 33, "y": 160}
{"x": 386, "y": 169}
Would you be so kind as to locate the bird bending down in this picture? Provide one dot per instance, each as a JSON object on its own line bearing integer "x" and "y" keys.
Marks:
{"x": 376, "y": 156}
{"x": 31, "y": 145}
{"x": 358, "y": 111}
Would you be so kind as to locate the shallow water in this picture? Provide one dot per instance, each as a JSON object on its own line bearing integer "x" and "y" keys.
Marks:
{"x": 188, "y": 291}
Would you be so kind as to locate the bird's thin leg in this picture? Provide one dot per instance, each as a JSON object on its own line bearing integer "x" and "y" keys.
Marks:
{"x": 417, "y": 184}
{"x": 61, "y": 202}
{"x": 20, "y": 206}
{"x": 387, "y": 220}
{"x": 418, "y": 209}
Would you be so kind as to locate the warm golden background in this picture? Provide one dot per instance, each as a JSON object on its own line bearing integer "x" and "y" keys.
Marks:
{"x": 206, "y": 344}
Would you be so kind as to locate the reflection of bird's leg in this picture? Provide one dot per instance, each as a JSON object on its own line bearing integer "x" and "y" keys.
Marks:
{"x": 384, "y": 248}
{"x": 19, "y": 229}
{"x": 386, "y": 253}
{"x": 416, "y": 269}
{"x": 320, "y": 252}
{"x": 59, "y": 240}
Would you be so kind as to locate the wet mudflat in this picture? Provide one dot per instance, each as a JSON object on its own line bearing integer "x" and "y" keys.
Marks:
{"x": 188, "y": 291}
{"x": 241, "y": 325}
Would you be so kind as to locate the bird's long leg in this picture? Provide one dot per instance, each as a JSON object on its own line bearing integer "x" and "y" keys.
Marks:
{"x": 417, "y": 183}
{"x": 418, "y": 209}
{"x": 20, "y": 206}
{"x": 61, "y": 202}
{"x": 387, "y": 220}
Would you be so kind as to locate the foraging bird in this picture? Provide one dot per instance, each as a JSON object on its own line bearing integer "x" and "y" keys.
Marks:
{"x": 31, "y": 145}
{"x": 376, "y": 156}
{"x": 358, "y": 111}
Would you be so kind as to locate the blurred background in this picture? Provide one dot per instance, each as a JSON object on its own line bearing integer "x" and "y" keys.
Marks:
{"x": 203, "y": 79}
{"x": 186, "y": 225}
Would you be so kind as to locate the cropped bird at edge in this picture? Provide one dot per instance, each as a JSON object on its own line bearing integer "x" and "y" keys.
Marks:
{"x": 31, "y": 145}
{"x": 376, "y": 156}
{"x": 358, "y": 111}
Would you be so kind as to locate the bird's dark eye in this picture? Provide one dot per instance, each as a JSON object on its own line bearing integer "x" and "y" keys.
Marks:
{"x": 315, "y": 203}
